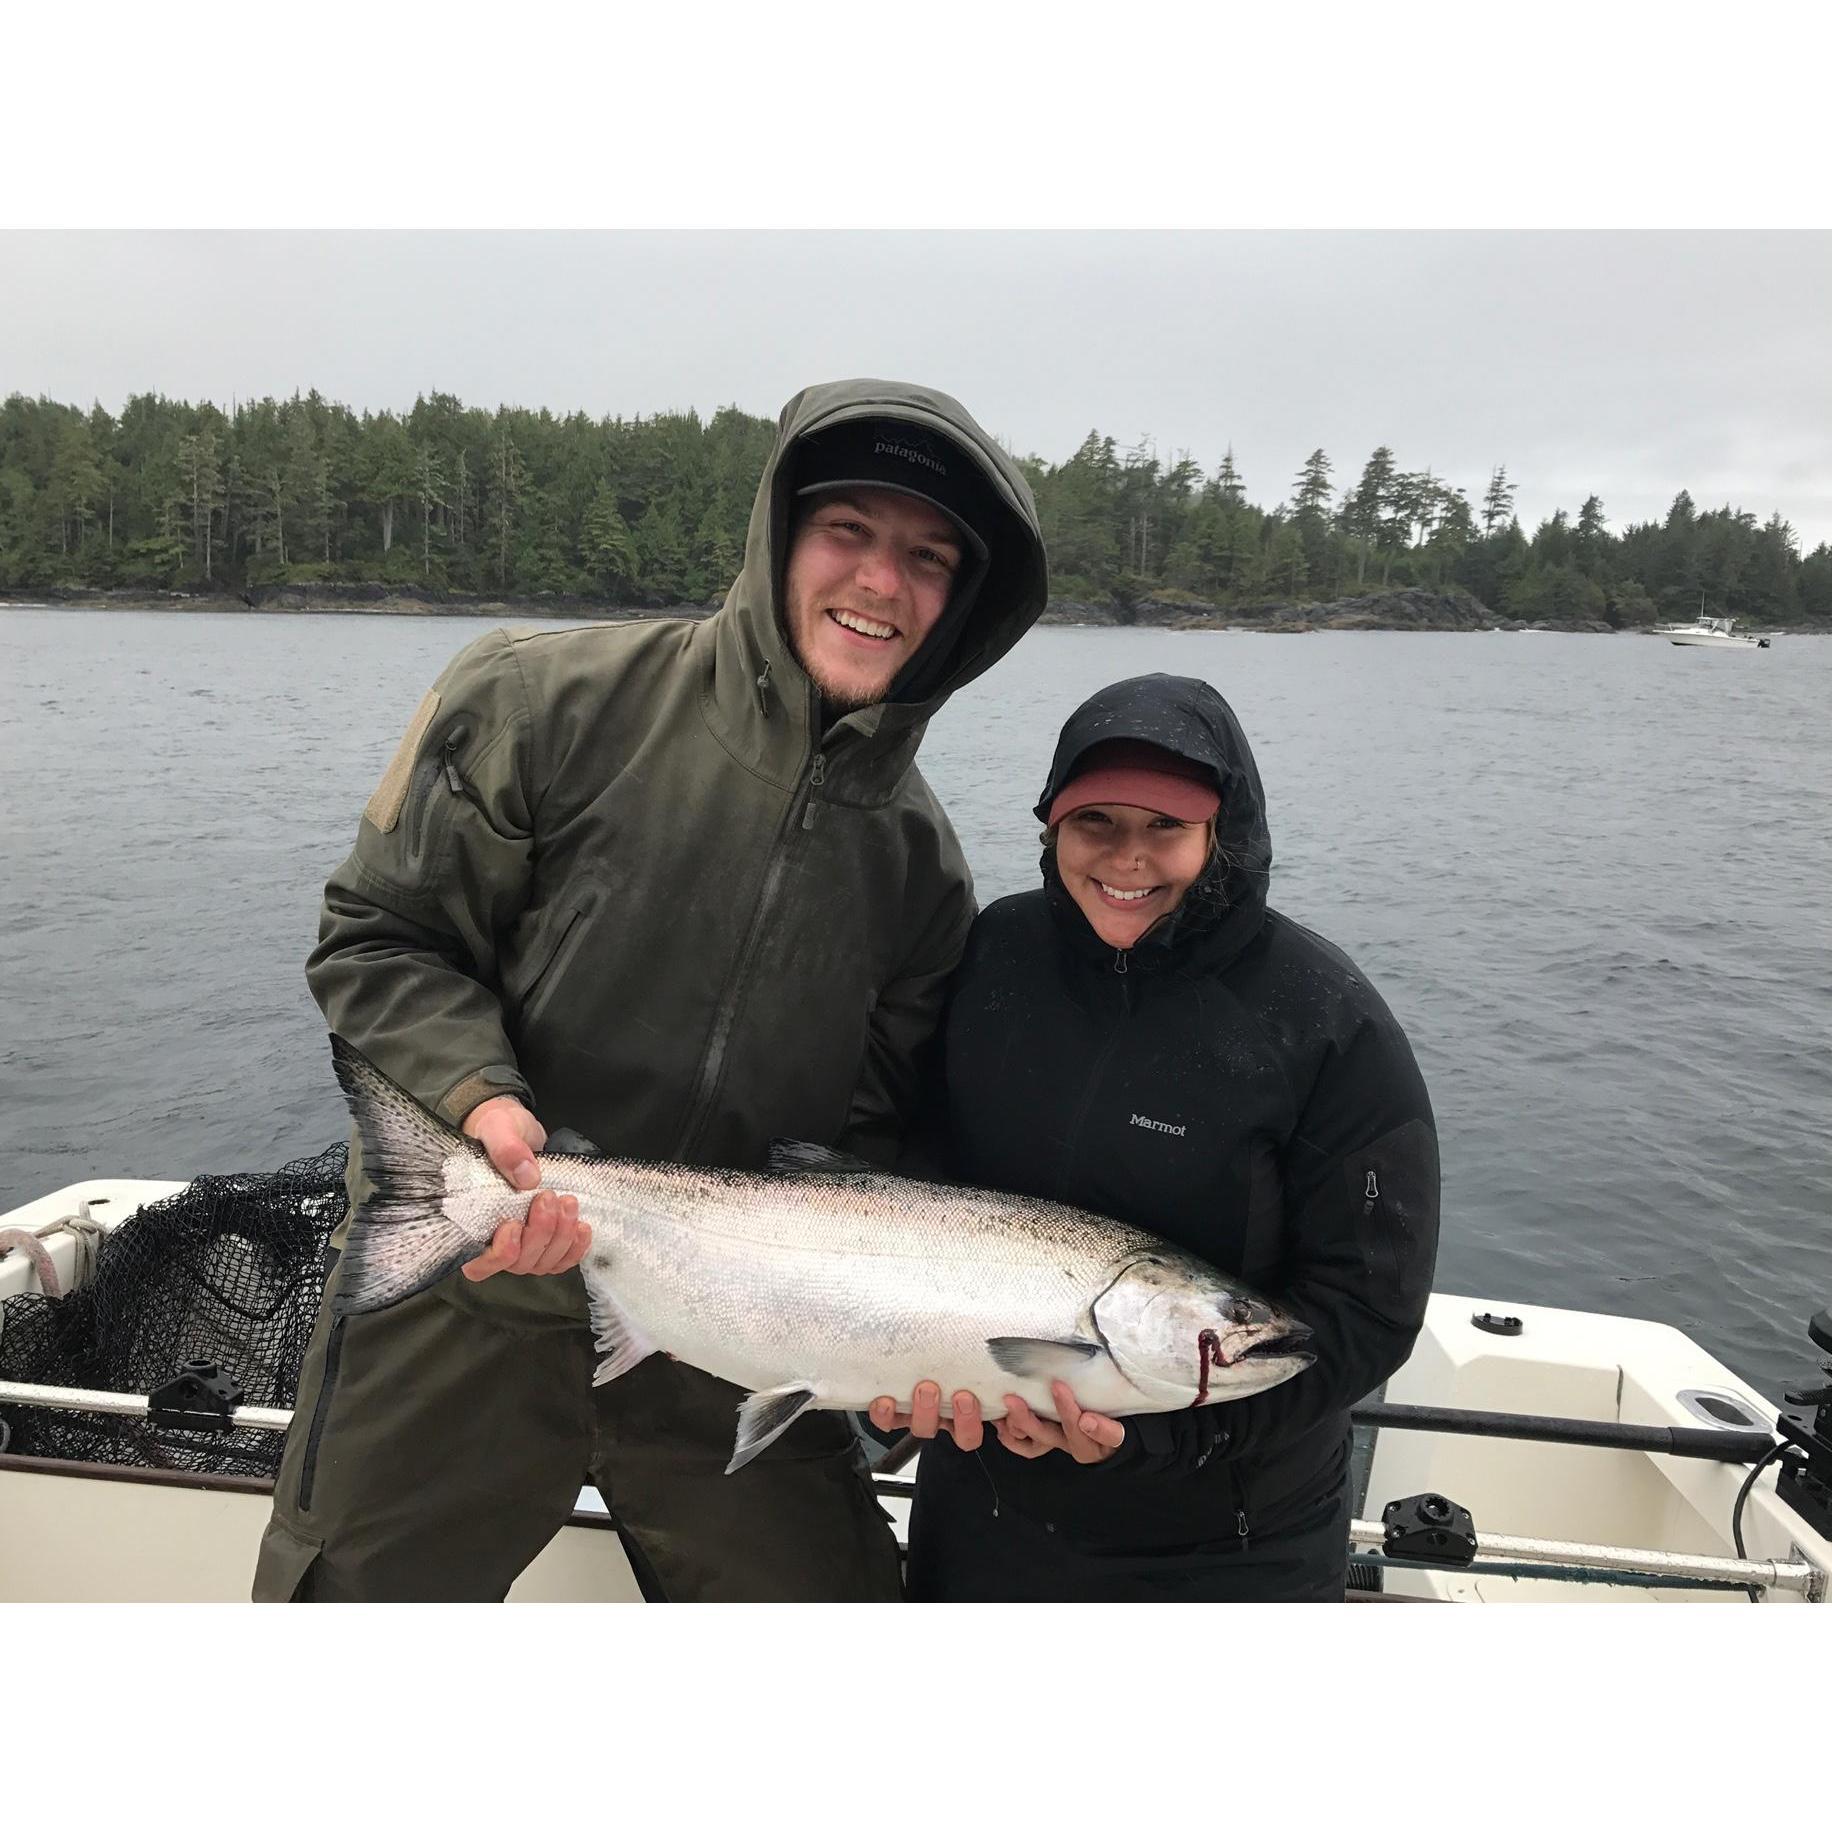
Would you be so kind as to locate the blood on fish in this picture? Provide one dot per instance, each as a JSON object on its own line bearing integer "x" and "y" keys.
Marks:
{"x": 1208, "y": 1345}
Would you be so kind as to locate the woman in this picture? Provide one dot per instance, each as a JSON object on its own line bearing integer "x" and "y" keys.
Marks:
{"x": 1143, "y": 1037}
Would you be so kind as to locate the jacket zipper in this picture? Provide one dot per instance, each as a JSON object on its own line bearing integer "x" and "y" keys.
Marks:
{"x": 816, "y": 777}
{"x": 1240, "y": 1505}
{"x": 1094, "y": 1075}
{"x": 308, "y": 1464}
{"x": 733, "y": 993}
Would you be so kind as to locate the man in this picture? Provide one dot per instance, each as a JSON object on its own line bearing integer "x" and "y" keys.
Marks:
{"x": 676, "y": 886}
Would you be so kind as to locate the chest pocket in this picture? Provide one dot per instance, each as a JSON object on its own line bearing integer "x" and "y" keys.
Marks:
{"x": 553, "y": 951}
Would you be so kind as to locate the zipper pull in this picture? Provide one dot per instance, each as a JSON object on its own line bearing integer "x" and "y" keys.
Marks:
{"x": 453, "y": 780}
{"x": 763, "y": 691}
{"x": 1372, "y": 1195}
{"x": 816, "y": 777}
{"x": 1240, "y": 1522}
{"x": 1119, "y": 960}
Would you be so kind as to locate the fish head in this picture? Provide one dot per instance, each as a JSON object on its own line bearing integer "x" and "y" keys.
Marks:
{"x": 1184, "y": 1335}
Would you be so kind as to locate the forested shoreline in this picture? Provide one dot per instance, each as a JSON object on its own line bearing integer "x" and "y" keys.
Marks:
{"x": 303, "y": 503}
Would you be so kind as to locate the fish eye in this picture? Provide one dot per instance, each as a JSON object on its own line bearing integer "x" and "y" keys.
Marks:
{"x": 1239, "y": 1311}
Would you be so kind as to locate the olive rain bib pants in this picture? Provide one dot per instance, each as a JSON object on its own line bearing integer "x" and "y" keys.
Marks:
{"x": 435, "y": 1450}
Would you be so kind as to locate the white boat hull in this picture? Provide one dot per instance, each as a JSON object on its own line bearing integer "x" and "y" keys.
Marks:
{"x": 85, "y": 1532}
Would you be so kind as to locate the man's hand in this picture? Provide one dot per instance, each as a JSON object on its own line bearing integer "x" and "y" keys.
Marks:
{"x": 551, "y": 1237}
{"x": 1088, "y": 1437}
{"x": 924, "y": 1420}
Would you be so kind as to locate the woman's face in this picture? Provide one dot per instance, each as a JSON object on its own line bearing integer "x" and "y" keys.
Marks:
{"x": 1127, "y": 868}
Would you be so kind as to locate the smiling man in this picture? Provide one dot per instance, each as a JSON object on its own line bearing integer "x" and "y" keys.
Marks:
{"x": 888, "y": 552}
{"x": 675, "y": 886}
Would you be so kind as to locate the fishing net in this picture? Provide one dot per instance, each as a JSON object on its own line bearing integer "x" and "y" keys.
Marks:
{"x": 230, "y": 1270}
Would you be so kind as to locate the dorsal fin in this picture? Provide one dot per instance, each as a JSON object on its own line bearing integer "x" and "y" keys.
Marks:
{"x": 797, "y": 1158}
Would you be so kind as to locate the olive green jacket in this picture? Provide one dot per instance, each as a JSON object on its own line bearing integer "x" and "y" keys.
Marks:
{"x": 619, "y": 871}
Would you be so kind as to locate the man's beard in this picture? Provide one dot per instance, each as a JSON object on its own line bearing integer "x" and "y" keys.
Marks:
{"x": 836, "y": 698}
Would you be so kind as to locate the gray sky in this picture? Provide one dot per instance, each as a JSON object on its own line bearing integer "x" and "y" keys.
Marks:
{"x": 1625, "y": 363}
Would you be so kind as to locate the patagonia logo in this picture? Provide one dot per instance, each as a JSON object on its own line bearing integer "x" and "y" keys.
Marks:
{"x": 1176, "y": 1132}
{"x": 910, "y": 454}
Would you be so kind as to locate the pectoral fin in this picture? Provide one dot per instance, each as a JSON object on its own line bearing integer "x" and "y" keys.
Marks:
{"x": 764, "y": 1417}
{"x": 1037, "y": 1358}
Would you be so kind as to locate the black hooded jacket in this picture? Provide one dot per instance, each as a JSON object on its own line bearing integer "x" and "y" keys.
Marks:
{"x": 1232, "y": 1083}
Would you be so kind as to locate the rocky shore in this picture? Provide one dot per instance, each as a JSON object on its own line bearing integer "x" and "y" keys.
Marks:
{"x": 1412, "y": 608}
{"x": 346, "y": 600}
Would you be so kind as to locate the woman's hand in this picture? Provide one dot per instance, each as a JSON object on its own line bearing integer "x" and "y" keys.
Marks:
{"x": 924, "y": 1420}
{"x": 1088, "y": 1437}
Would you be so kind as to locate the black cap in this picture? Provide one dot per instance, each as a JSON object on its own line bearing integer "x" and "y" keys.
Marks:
{"x": 894, "y": 455}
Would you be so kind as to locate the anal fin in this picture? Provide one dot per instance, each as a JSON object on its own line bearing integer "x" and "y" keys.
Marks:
{"x": 765, "y": 1416}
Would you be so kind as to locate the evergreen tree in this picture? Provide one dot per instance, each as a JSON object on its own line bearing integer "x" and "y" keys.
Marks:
{"x": 1365, "y": 511}
{"x": 661, "y": 553}
{"x": 201, "y": 480}
{"x": 507, "y": 485}
{"x": 1228, "y": 483}
{"x": 1285, "y": 560}
{"x": 1497, "y": 501}
{"x": 389, "y": 469}
{"x": 606, "y": 545}
{"x": 717, "y": 550}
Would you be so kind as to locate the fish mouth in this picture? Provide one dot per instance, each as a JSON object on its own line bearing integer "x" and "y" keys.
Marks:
{"x": 1291, "y": 1343}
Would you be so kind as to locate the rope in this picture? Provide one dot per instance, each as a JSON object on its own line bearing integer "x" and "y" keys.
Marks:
{"x": 84, "y": 1229}
{"x": 36, "y": 1251}
{"x": 88, "y": 1233}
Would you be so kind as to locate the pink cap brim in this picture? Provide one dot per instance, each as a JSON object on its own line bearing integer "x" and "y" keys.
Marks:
{"x": 1154, "y": 790}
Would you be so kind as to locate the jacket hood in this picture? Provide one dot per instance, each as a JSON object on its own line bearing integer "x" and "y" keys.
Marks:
{"x": 1006, "y": 597}
{"x": 1190, "y": 719}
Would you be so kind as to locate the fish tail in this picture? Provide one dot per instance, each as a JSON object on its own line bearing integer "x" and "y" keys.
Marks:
{"x": 402, "y": 1239}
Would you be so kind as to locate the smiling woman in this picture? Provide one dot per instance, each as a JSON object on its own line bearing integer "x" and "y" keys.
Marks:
{"x": 1144, "y": 1038}
{"x": 1132, "y": 833}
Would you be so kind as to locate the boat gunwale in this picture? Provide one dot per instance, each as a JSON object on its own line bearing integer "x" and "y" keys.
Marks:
{"x": 210, "y": 1482}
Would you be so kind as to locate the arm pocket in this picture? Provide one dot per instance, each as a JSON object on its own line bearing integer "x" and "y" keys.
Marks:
{"x": 1392, "y": 1195}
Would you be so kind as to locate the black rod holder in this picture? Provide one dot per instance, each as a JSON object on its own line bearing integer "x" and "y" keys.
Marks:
{"x": 1664, "y": 1440}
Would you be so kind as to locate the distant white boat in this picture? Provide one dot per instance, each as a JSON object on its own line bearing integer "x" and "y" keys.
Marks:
{"x": 1708, "y": 633}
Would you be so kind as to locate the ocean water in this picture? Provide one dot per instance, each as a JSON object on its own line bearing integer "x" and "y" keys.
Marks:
{"x": 1592, "y": 876}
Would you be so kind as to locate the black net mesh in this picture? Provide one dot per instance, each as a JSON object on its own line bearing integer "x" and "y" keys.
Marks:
{"x": 230, "y": 1270}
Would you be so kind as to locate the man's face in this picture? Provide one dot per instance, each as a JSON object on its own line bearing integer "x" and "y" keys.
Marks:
{"x": 869, "y": 576}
